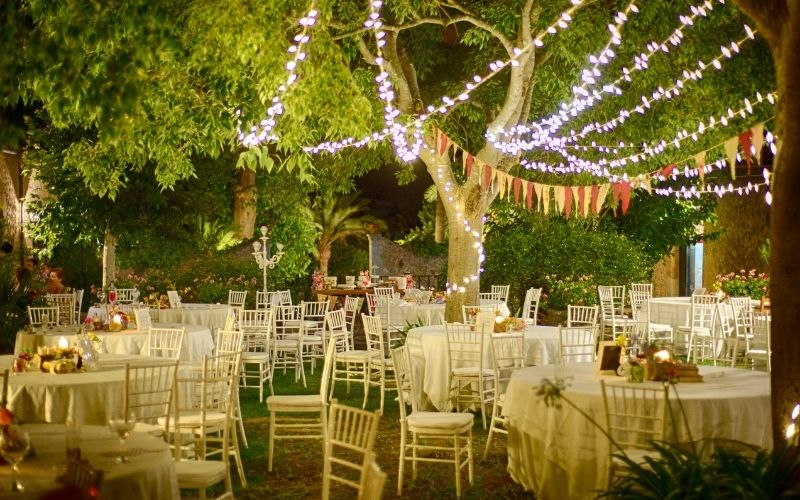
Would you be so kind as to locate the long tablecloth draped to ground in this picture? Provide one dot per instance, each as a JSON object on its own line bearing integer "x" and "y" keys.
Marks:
{"x": 558, "y": 453}
{"x": 428, "y": 346}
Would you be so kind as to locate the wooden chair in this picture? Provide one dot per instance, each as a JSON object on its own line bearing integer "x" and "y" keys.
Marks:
{"x": 508, "y": 355}
{"x": 379, "y": 367}
{"x": 612, "y": 304}
{"x": 287, "y": 345}
{"x": 309, "y": 411}
{"x": 46, "y": 317}
{"x": 263, "y": 300}
{"x": 348, "y": 444}
{"x": 256, "y": 326}
{"x": 530, "y": 306}
{"x": 489, "y": 298}
{"x": 635, "y": 417}
{"x": 164, "y": 342}
{"x": 127, "y": 295}
{"x": 576, "y": 344}
{"x": 582, "y": 316}
{"x": 432, "y": 434}
{"x": 470, "y": 381}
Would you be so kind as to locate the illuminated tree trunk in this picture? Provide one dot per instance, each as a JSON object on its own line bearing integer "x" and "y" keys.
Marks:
{"x": 779, "y": 22}
{"x": 244, "y": 204}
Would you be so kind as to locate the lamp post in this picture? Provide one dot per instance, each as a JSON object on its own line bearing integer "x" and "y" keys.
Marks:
{"x": 263, "y": 256}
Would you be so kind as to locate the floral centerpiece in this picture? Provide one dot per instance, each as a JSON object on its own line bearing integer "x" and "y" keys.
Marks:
{"x": 364, "y": 278}
{"x": 156, "y": 301}
{"x": 117, "y": 320}
{"x": 439, "y": 298}
{"x": 409, "y": 281}
{"x": 743, "y": 284}
{"x": 317, "y": 280}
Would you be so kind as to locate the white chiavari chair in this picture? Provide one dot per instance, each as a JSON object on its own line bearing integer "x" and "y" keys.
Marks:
{"x": 470, "y": 381}
{"x": 530, "y": 306}
{"x": 164, "y": 343}
{"x": 348, "y": 444}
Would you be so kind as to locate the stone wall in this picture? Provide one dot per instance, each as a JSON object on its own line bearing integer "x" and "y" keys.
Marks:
{"x": 666, "y": 275}
{"x": 743, "y": 223}
{"x": 387, "y": 258}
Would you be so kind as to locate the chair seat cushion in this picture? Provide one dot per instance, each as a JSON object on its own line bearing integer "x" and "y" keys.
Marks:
{"x": 295, "y": 402}
{"x": 195, "y": 419}
{"x": 255, "y": 357}
{"x": 429, "y": 422}
{"x": 471, "y": 371}
{"x": 195, "y": 474}
{"x": 356, "y": 356}
{"x": 660, "y": 327}
{"x": 698, "y": 330}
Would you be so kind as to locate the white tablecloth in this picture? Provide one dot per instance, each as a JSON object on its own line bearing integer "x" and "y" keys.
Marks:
{"x": 428, "y": 346}
{"x": 558, "y": 453}
{"x": 149, "y": 474}
{"x": 88, "y": 398}
{"x": 673, "y": 311}
{"x": 198, "y": 341}
{"x": 211, "y": 315}
{"x": 403, "y": 313}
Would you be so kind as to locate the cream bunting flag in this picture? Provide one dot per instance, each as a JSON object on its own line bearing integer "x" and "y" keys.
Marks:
{"x": 731, "y": 147}
{"x": 510, "y": 184}
{"x": 560, "y": 198}
{"x": 587, "y": 200}
{"x": 538, "y": 189}
{"x": 545, "y": 198}
{"x": 700, "y": 163}
{"x": 602, "y": 195}
{"x": 758, "y": 140}
{"x": 501, "y": 183}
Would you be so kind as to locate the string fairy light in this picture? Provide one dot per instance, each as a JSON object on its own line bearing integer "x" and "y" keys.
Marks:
{"x": 262, "y": 132}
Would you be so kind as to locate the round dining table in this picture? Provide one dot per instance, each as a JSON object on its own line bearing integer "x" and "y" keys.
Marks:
{"x": 149, "y": 473}
{"x": 197, "y": 343}
{"x": 212, "y": 316}
{"x": 556, "y": 452}
{"x": 428, "y": 348}
{"x": 84, "y": 397}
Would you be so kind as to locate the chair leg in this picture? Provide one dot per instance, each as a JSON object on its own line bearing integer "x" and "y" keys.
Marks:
{"x": 401, "y": 467}
{"x": 240, "y": 420}
{"x": 367, "y": 376}
{"x": 470, "y": 471}
{"x": 383, "y": 387}
{"x": 457, "y": 463}
{"x": 271, "y": 439}
{"x": 238, "y": 457}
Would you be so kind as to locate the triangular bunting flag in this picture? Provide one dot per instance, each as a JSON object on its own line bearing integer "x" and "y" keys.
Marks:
{"x": 625, "y": 196}
{"x": 443, "y": 144}
{"x": 538, "y": 188}
{"x": 487, "y": 177}
{"x": 469, "y": 159}
{"x": 601, "y": 197}
{"x": 517, "y": 187}
{"x": 667, "y": 170}
{"x": 731, "y": 146}
{"x": 501, "y": 183}
{"x": 584, "y": 200}
{"x": 568, "y": 203}
{"x": 746, "y": 139}
{"x": 758, "y": 140}
{"x": 646, "y": 182}
{"x": 700, "y": 163}
{"x": 560, "y": 196}
{"x": 545, "y": 198}
{"x": 593, "y": 199}
{"x": 509, "y": 183}
{"x": 529, "y": 195}
{"x": 614, "y": 196}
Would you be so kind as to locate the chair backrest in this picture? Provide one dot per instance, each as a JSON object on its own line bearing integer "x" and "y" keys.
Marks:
{"x": 229, "y": 341}
{"x": 256, "y": 327}
{"x": 126, "y": 295}
{"x": 635, "y": 413}
{"x": 576, "y": 343}
{"x": 372, "y": 302}
{"x": 501, "y": 291}
{"x": 65, "y": 302}
{"x": 336, "y": 325}
{"x": 699, "y": 291}
{"x": 386, "y": 292}
{"x": 263, "y": 300}
{"x": 373, "y": 332}
{"x": 582, "y": 315}
{"x": 646, "y": 288}
{"x": 149, "y": 391}
{"x": 612, "y": 300}
{"x": 78, "y": 304}
{"x": 761, "y": 335}
{"x": 350, "y": 438}
{"x": 727, "y": 327}
{"x": 164, "y": 342}
{"x": 530, "y": 306}
{"x": 639, "y": 302}
{"x": 237, "y": 298}
{"x": 174, "y": 299}
{"x": 288, "y": 320}
{"x": 284, "y": 297}
{"x": 313, "y": 317}
{"x": 215, "y": 391}
{"x": 327, "y": 369}
{"x": 703, "y": 311}
{"x": 352, "y": 306}
{"x": 508, "y": 354}
{"x": 43, "y": 316}
{"x": 464, "y": 346}
{"x": 143, "y": 320}
{"x": 489, "y": 298}
{"x": 406, "y": 393}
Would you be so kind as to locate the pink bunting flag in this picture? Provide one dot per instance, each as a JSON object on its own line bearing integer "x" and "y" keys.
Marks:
{"x": 517, "y": 187}
{"x": 568, "y": 201}
{"x": 468, "y": 165}
{"x": 746, "y": 140}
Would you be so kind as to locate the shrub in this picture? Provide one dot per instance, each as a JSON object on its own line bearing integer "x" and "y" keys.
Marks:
{"x": 743, "y": 284}
{"x": 558, "y": 293}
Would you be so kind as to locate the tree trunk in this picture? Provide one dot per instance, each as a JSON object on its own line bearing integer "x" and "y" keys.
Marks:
{"x": 463, "y": 262}
{"x": 109, "y": 258}
{"x": 439, "y": 222}
{"x": 324, "y": 258}
{"x": 778, "y": 21}
{"x": 244, "y": 204}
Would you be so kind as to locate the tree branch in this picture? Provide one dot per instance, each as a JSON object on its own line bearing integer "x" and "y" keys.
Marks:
{"x": 453, "y": 20}
{"x": 368, "y": 56}
{"x": 526, "y": 20}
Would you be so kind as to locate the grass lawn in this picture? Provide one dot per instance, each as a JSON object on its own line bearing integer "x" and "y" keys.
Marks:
{"x": 298, "y": 463}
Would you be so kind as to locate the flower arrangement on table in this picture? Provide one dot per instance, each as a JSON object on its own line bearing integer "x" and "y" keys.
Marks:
{"x": 117, "y": 320}
{"x": 364, "y": 278}
{"x": 57, "y": 359}
{"x": 743, "y": 284}
{"x": 155, "y": 300}
{"x": 439, "y": 298}
{"x": 317, "y": 280}
{"x": 409, "y": 281}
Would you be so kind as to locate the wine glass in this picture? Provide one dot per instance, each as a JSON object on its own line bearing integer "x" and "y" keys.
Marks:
{"x": 121, "y": 425}
{"x": 14, "y": 446}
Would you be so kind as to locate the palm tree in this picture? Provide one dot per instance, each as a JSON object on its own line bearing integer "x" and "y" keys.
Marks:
{"x": 338, "y": 217}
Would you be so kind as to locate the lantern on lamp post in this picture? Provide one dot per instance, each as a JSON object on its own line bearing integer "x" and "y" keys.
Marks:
{"x": 263, "y": 255}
